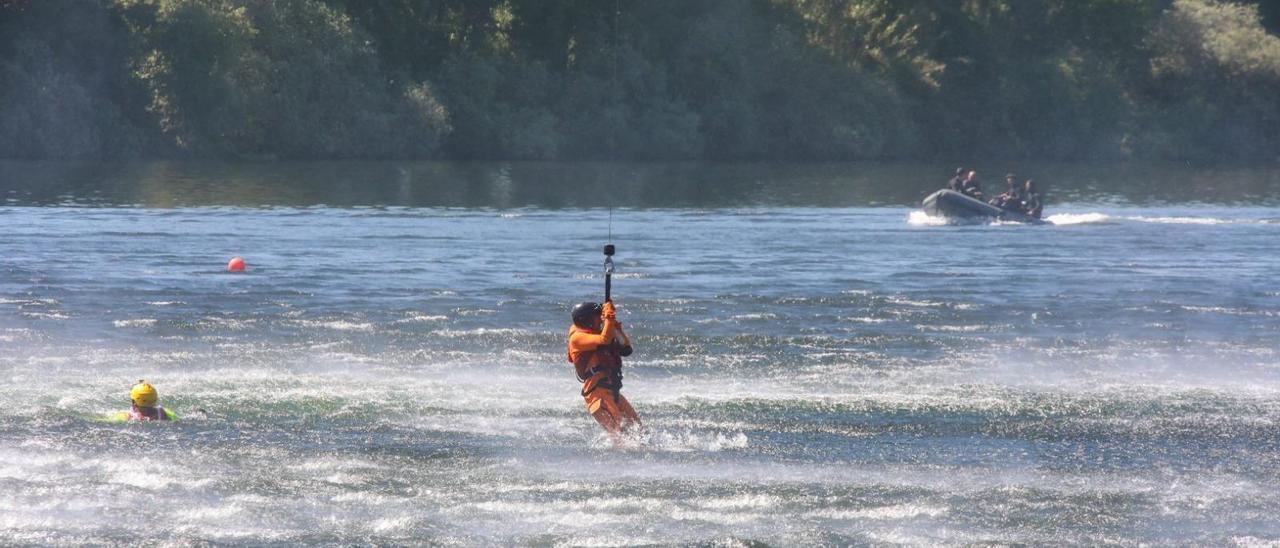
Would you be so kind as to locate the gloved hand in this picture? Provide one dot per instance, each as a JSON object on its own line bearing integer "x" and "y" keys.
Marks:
{"x": 608, "y": 312}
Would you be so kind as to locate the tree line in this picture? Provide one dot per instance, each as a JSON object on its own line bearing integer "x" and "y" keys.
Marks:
{"x": 756, "y": 80}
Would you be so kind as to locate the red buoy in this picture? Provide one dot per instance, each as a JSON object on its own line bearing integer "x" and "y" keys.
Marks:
{"x": 236, "y": 265}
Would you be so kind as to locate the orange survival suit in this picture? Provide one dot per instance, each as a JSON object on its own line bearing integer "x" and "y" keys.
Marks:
{"x": 596, "y": 357}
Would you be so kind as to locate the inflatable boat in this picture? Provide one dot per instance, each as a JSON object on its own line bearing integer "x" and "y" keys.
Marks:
{"x": 955, "y": 206}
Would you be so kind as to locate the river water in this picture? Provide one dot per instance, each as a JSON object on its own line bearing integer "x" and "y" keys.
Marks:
{"x": 817, "y": 361}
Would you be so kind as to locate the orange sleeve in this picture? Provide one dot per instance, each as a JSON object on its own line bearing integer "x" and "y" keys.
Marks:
{"x": 581, "y": 341}
{"x": 610, "y": 327}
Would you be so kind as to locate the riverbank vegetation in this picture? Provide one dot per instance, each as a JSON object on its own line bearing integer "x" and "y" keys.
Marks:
{"x": 775, "y": 80}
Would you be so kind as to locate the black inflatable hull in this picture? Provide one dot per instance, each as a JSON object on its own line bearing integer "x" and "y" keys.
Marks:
{"x": 955, "y": 206}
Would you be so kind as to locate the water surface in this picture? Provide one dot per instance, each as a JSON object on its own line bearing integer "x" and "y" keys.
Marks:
{"x": 818, "y": 362}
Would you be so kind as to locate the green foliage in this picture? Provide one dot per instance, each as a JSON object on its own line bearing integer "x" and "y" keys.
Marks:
{"x": 498, "y": 107}
{"x": 64, "y": 89}
{"x": 291, "y": 78}
{"x": 1215, "y": 79}
{"x": 660, "y": 79}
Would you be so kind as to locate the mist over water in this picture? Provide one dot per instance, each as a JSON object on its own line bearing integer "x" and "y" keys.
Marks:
{"x": 817, "y": 361}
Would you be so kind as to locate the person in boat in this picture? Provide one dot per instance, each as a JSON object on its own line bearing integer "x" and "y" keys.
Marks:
{"x": 970, "y": 186}
{"x": 596, "y": 347}
{"x": 1011, "y": 199}
{"x": 957, "y": 181}
{"x": 1031, "y": 201}
{"x": 144, "y": 406}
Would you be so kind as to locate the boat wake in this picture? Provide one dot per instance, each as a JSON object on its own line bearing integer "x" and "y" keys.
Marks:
{"x": 1095, "y": 218}
{"x": 920, "y": 218}
{"x": 1064, "y": 219}
{"x": 1184, "y": 220}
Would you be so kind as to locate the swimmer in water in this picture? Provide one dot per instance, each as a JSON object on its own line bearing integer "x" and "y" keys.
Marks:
{"x": 144, "y": 406}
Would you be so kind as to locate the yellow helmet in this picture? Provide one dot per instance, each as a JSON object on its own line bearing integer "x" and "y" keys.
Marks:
{"x": 143, "y": 394}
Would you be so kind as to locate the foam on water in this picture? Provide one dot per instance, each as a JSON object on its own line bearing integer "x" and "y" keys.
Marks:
{"x": 339, "y": 325}
{"x": 137, "y": 322}
{"x": 1182, "y": 220}
{"x": 891, "y": 512}
{"x": 920, "y": 218}
{"x": 425, "y": 318}
{"x": 1065, "y": 219}
{"x": 670, "y": 440}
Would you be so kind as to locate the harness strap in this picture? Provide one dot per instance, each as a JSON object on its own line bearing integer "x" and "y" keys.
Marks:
{"x": 611, "y": 380}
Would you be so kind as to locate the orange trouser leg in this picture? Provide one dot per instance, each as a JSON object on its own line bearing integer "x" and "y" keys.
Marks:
{"x": 614, "y": 414}
{"x": 609, "y": 423}
{"x": 627, "y": 414}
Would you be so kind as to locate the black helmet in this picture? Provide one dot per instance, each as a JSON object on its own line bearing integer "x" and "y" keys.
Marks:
{"x": 585, "y": 314}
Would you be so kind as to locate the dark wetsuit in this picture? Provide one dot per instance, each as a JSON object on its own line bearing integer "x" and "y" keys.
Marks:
{"x": 956, "y": 183}
{"x": 972, "y": 189}
{"x": 1010, "y": 200}
{"x": 1031, "y": 204}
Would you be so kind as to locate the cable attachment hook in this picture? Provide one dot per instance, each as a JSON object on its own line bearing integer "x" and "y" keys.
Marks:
{"x": 608, "y": 272}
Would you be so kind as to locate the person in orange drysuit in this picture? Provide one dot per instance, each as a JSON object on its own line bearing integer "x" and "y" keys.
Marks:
{"x": 596, "y": 347}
